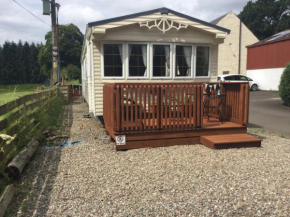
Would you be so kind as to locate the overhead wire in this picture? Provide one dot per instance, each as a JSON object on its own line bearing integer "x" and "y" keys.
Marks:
{"x": 32, "y": 13}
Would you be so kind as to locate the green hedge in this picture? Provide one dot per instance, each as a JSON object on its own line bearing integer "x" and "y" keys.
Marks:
{"x": 284, "y": 87}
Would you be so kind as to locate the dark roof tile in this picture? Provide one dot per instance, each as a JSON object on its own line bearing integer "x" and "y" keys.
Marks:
{"x": 215, "y": 21}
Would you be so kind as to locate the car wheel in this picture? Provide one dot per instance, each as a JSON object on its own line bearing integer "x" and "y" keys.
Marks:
{"x": 254, "y": 87}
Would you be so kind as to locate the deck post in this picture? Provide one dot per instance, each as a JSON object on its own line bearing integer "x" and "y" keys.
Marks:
{"x": 241, "y": 104}
{"x": 247, "y": 98}
{"x": 118, "y": 108}
{"x": 159, "y": 106}
{"x": 223, "y": 105}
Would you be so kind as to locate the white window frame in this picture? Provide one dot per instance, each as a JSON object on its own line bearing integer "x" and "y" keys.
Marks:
{"x": 209, "y": 61}
{"x": 125, "y": 59}
{"x": 123, "y": 62}
{"x": 191, "y": 60}
{"x": 151, "y": 61}
{"x": 148, "y": 62}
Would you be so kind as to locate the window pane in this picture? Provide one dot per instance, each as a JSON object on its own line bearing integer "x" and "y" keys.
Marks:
{"x": 113, "y": 60}
{"x": 229, "y": 78}
{"x": 236, "y": 78}
{"x": 202, "y": 61}
{"x": 137, "y": 54}
{"x": 243, "y": 78}
{"x": 161, "y": 60}
{"x": 183, "y": 61}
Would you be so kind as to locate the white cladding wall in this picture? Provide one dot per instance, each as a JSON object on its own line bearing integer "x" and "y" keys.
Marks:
{"x": 268, "y": 79}
{"x": 229, "y": 50}
{"x": 88, "y": 77}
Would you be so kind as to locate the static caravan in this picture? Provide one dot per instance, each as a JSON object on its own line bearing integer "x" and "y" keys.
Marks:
{"x": 155, "y": 46}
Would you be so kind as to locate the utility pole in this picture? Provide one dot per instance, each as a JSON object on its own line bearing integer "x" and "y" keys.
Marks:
{"x": 49, "y": 8}
{"x": 54, "y": 76}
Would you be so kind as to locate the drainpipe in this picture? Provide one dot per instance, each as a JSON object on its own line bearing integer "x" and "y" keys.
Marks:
{"x": 240, "y": 47}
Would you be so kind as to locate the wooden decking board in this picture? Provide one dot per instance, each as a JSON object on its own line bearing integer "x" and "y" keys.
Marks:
{"x": 230, "y": 141}
{"x": 158, "y": 143}
{"x": 181, "y": 134}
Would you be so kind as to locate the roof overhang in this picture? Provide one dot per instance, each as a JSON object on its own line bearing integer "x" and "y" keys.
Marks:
{"x": 156, "y": 18}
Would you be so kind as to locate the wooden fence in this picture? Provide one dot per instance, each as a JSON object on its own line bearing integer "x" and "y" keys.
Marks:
{"x": 14, "y": 110}
{"x": 13, "y": 114}
{"x": 153, "y": 107}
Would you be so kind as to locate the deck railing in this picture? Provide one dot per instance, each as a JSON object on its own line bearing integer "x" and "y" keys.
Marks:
{"x": 235, "y": 106}
{"x": 169, "y": 106}
{"x": 153, "y": 107}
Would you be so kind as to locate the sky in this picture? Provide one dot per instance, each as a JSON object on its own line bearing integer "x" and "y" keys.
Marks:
{"x": 16, "y": 23}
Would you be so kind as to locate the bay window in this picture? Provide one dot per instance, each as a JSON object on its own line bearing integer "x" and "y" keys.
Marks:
{"x": 202, "y": 61}
{"x": 183, "y": 63}
{"x": 161, "y": 60}
{"x": 113, "y": 60}
{"x": 138, "y": 61}
{"x": 133, "y": 60}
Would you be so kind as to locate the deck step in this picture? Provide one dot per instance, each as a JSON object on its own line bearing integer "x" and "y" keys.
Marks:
{"x": 230, "y": 141}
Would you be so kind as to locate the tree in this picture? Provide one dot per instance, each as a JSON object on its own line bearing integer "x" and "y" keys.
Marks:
{"x": 35, "y": 75}
{"x": 72, "y": 72}
{"x": 266, "y": 17}
{"x": 10, "y": 62}
{"x": 70, "y": 44}
{"x": 1, "y": 65}
{"x": 26, "y": 58}
{"x": 284, "y": 86}
{"x": 19, "y": 63}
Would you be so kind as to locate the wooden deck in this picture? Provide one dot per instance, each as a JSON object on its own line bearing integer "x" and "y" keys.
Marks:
{"x": 178, "y": 137}
{"x": 153, "y": 115}
{"x": 230, "y": 141}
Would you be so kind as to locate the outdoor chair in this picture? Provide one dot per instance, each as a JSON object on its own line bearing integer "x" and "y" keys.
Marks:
{"x": 207, "y": 105}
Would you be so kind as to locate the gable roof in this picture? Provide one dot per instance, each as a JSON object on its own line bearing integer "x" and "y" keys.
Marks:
{"x": 162, "y": 11}
{"x": 215, "y": 21}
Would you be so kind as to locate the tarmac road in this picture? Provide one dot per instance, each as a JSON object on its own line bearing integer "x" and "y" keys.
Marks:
{"x": 267, "y": 111}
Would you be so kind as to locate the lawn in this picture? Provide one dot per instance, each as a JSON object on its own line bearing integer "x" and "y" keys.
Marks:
{"x": 72, "y": 82}
{"x": 12, "y": 92}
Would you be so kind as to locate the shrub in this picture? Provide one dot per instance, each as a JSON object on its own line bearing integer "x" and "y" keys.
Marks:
{"x": 284, "y": 87}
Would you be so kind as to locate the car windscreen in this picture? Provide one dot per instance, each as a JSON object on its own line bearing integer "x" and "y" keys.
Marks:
{"x": 249, "y": 79}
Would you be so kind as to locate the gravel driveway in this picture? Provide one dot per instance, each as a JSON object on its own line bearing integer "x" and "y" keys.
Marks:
{"x": 92, "y": 179}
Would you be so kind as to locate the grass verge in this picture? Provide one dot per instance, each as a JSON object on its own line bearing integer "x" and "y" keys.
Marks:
{"x": 12, "y": 92}
{"x": 47, "y": 117}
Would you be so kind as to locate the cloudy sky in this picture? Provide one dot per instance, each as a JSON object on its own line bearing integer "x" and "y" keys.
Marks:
{"x": 16, "y": 23}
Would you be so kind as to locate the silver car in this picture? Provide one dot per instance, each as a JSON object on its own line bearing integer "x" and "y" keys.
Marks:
{"x": 239, "y": 78}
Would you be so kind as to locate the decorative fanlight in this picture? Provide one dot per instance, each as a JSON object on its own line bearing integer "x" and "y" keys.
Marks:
{"x": 163, "y": 24}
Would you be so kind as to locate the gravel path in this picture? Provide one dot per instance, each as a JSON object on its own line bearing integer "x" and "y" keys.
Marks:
{"x": 92, "y": 179}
